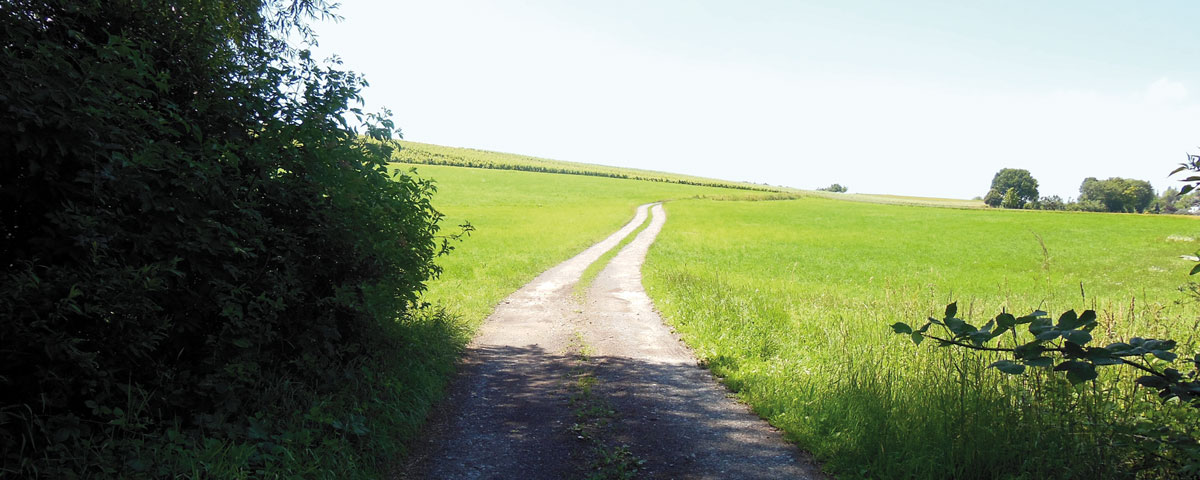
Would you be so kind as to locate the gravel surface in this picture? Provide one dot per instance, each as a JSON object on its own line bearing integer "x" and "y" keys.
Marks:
{"x": 514, "y": 411}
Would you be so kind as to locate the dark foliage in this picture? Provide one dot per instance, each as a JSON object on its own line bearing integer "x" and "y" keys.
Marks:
{"x": 1019, "y": 180}
{"x": 993, "y": 198}
{"x": 185, "y": 218}
{"x": 1117, "y": 194}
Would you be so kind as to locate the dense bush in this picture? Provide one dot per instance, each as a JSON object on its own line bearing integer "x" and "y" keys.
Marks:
{"x": 204, "y": 266}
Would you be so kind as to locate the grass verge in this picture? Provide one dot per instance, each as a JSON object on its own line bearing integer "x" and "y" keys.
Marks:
{"x": 790, "y": 302}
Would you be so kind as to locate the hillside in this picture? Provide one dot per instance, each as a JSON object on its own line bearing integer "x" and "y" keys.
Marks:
{"x": 428, "y": 154}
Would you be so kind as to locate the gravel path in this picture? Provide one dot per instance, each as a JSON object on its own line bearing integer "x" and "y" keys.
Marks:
{"x": 554, "y": 387}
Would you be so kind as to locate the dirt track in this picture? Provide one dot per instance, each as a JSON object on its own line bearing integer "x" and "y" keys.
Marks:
{"x": 554, "y": 387}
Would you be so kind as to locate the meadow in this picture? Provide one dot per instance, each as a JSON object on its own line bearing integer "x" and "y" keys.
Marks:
{"x": 788, "y": 296}
{"x": 524, "y": 223}
{"x": 790, "y": 302}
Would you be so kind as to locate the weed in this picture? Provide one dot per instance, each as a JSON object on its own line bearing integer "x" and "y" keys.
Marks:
{"x": 593, "y": 422}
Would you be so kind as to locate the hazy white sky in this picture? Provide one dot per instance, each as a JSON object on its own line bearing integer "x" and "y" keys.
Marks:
{"x": 915, "y": 98}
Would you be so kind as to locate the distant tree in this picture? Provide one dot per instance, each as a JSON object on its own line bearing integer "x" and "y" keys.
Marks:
{"x": 1024, "y": 185}
{"x": 1185, "y": 203}
{"x": 1117, "y": 194}
{"x": 1053, "y": 202}
{"x": 1138, "y": 194}
{"x": 1011, "y": 200}
{"x": 1086, "y": 206}
{"x": 836, "y": 188}
{"x": 993, "y": 198}
{"x": 1166, "y": 201}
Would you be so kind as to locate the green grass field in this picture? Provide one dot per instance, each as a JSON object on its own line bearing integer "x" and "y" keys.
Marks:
{"x": 789, "y": 298}
{"x": 790, "y": 301}
{"x": 525, "y": 223}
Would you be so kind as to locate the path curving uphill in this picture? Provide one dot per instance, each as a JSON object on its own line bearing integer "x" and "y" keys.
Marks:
{"x": 555, "y": 387}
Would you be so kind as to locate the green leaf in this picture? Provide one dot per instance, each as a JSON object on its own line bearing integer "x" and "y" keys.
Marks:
{"x": 902, "y": 328}
{"x": 1195, "y": 269}
{"x": 1008, "y": 366}
{"x": 1048, "y": 335}
{"x": 1029, "y": 350}
{"x": 1119, "y": 347}
{"x": 1068, "y": 321}
{"x": 1153, "y": 381}
{"x": 917, "y": 338}
{"x": 1078, "y": 372}
{"x": 951, "y": 309}
{"x": 1005, "y": 321}
{"x": 1073, "y": 350}
{"x": 1101, "y": 356}
{"x": 1040, "y": 362}
{"x": 958, "y": 326}
{"x": 1040, "y": 325}
{"x": 1027, "y": 319}
{"x": 980, "y": 337}
{"x": 1078, "y": 337}
{"x": 1165, "y": 355}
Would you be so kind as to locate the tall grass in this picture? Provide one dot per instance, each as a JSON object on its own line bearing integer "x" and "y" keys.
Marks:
{"x": 790, "y": 302}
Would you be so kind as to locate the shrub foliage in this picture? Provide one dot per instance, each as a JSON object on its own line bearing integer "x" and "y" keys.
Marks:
{"x": 194, "y": 241}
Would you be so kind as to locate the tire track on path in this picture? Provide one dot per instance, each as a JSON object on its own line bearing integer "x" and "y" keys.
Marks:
{"x": 507, "y": 416}
{"x": 672, "y": 413}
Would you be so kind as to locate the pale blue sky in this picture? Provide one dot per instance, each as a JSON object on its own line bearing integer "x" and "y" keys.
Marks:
{"x": 916, "y": 98}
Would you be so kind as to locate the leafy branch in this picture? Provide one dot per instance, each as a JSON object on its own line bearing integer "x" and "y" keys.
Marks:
{"x": 1064, "y": 345}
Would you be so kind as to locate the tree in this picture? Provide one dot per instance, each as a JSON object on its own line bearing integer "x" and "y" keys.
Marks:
{"x": 835, "y": 188}
{"x": 1166, "y": 201}
{"x": 1010, "y": 199}
{"x": 1018, "y": 179}
{"x": 993, "y": 198}
{"x": 1117, "y": 194}
{"x": 196, "y": 246}
{"x": 1053, "y": 202}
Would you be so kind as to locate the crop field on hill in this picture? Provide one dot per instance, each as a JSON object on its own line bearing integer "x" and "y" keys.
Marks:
{"x": 427, "y": 154}
{"x": 526, "y": 222}
{"x": 791, "y": 302}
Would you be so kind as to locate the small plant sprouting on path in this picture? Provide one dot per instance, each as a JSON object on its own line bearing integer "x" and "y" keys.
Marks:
{"x": 593, "y": 422}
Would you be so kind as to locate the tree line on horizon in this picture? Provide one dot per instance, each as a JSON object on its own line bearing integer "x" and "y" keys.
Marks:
{"x": 1015, "y": 188}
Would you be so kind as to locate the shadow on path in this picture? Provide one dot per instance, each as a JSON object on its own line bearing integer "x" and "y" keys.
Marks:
{"x": 509, "y": 417}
